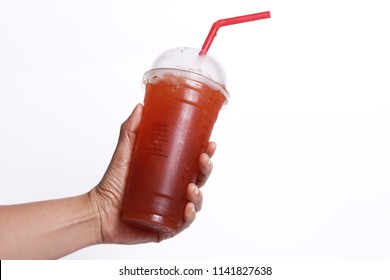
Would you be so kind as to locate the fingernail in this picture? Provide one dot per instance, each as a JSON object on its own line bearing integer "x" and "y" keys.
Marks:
{"x": 195, "y": 189}
{"x": 193, "y": 208}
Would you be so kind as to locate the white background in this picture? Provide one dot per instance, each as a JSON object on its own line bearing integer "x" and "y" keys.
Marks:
{"x": 302, "y": 169}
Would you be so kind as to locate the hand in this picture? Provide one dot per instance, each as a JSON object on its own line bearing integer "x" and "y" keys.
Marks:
{"x": 107, "y": 196}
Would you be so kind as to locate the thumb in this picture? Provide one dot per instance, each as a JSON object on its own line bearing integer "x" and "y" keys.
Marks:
{"x": 127, "y": 136}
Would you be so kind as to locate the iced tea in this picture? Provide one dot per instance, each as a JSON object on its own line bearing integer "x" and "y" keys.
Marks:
{"x": 178, "y": 117}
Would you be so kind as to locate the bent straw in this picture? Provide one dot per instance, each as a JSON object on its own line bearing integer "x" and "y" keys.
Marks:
{"x": 229, "y": 21}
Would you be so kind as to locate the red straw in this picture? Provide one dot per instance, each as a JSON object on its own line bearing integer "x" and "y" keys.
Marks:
{"x": 229, "y": 21}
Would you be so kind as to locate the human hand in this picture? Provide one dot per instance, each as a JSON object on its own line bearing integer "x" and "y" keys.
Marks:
{"x": 107, "y": 196}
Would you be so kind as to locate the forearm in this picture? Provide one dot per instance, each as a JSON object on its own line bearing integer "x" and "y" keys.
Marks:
{"x": 48, "y": 229}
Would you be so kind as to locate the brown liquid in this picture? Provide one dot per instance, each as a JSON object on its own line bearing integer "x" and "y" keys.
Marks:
{"x": 176, "y": 124}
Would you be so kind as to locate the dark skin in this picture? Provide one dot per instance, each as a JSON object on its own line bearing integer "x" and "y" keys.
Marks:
{"x": 55, "y": 228}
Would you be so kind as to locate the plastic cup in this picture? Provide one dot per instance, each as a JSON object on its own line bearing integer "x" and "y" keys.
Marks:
{"x": 184, "y": 94}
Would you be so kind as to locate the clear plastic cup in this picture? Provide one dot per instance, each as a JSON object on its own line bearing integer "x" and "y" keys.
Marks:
{"x": 184, "y": 94}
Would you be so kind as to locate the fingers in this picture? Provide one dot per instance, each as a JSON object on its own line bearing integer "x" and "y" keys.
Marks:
{"x": 210, "y": 150}
{"x": 205, "y": 168}
{"x": 128, "y": 134}
{"x": 189, "y": 215}
{"x": 195, "y": 196}
{"x": 205, "y": 164}
{"x": 130, "y": 127}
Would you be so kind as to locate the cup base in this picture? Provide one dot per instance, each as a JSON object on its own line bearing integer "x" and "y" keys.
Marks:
{"x": 152, "y": 222}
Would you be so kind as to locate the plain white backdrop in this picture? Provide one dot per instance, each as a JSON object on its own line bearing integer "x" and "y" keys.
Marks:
{"x": 302, "y": 169}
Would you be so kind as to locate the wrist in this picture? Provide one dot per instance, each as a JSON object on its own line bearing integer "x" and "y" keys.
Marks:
{"x": 96, "y": 219}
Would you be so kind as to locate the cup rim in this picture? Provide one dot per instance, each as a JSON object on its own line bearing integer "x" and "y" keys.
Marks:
{"x": 187, "y": 74}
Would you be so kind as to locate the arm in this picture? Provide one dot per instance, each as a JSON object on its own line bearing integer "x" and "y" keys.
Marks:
{"x": 48, "y": 229}
{"x": 52, "y": 229}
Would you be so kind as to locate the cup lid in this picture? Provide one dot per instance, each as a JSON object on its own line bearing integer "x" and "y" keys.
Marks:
{"x": 189, "y": 60}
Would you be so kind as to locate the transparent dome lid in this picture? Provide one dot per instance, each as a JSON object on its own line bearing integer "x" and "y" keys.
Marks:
{"x": 187, "y": 62}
